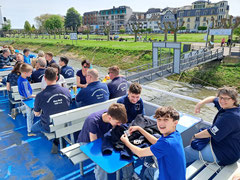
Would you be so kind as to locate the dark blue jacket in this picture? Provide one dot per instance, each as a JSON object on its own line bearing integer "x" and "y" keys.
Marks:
{"x": 95, "y": 92}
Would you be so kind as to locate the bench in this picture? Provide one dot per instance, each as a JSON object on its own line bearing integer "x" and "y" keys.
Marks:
{"x": 198, "y": 171}
{"x": 36, "y": 87}
{"x": 65, "y": 124}
{"x": 71, "y": 81}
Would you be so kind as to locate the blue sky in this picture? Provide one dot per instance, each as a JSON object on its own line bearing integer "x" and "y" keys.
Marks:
{"x": 18, "y": 11}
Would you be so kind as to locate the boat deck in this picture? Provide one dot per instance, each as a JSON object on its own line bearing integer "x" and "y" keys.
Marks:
{"x": 23, "y": 157}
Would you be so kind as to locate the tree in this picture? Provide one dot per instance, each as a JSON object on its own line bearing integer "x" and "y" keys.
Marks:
{"x": 72, "y": 19}
{"x": 53, "y": 22}
{"x": 7, "y": 25}
{"x": 27, "y": 27}
{"x": 237, "y": 31}
{"x": 40, "y": 20}
{"x": 85, "y": 30}
{"x": 33, "y": 28}
{"x": 165, "y": 29}
{"x": 136, "y": 28}
{"x": 175, "y": 26}
{"x": 122, "y": 30}
{"x": 148, "y": 30}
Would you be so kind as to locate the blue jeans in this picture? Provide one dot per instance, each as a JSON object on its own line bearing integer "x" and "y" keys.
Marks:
{"x": 30, "y": 117}
{"x": 100, "y": 174}
{"x": 127, "y": 172}
{"x": 193, "y": 155}
{"x": 38, "y": 128}
{"x": 151, "y": 174}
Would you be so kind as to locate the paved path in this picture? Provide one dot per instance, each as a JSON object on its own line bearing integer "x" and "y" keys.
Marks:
{"x": 235, "y": 51}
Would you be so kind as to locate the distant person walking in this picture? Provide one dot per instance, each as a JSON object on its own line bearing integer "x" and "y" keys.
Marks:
{"x": 223, "y": 42}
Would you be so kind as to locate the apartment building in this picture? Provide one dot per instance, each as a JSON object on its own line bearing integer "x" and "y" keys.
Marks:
{"x": 202, "y": 12}
{"x": 153, "y": 17}
{"x": 197, "y": 14}
{"x": 115, "y": 18}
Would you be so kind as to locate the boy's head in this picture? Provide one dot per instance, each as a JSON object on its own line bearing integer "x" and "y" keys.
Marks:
{"x": 50, "y": 74}
{"x": 63, "y": 61}
{"x": 167, "y": 119}
{"x": 113, "y": 72}
{"x": 26, "y": 70}
{"x": 117, "y": 114}
{"x": 5, "y": 52}
{"x": 26, "y": 52}
{"x": 134, "y": 92}
{"x": 56, "y": 67}
{"x": 48, "y": 56}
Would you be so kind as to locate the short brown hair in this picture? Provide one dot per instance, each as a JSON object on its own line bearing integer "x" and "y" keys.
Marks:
{"x": 118, "y": 112}
{"x": 50, "y": 74}
{"x": 49, "y": 54}
{"x": 229, "y": 91}
{"x": 166, "y": 111}
{"x": 135, "y": 88}
{"x": 115, "y": 70}
{"x": 26, "y": 68}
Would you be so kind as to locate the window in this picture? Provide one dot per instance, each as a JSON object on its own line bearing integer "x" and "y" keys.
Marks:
{"x": 197, "y": 19}
{"x": 188, "y": 26}
{"x": 204, "y": 18}
{"x": 188, "y": 20}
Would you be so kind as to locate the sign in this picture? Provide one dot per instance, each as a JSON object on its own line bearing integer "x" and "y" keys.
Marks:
{"x": 220, "y": 31}
{"x": 205, "y": 38}
{"x": 73, "y": 36}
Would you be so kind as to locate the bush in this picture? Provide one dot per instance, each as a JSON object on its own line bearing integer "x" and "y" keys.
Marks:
{"x": 202, "y": 28}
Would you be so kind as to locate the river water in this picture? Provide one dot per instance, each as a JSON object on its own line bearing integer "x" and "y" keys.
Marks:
{"x": 186, "y": 106}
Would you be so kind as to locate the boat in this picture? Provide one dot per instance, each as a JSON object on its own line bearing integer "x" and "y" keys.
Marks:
{"x": 23, "y": 157}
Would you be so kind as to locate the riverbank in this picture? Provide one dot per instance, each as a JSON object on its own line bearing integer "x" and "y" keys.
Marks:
{"x": 215, "y": 74}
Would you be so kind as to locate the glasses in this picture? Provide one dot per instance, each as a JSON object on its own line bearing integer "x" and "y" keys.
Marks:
{"x": 224, "y": 98}
{"x": 85, "y": 66}
{"x": 109, "y": 72}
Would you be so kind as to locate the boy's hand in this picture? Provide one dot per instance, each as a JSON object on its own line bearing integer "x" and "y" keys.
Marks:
{"x": 133, "y": 128}
{"x": 124, "y": 138}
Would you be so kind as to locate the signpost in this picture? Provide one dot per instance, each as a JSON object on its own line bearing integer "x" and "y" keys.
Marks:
{"x": 73, "y": 36}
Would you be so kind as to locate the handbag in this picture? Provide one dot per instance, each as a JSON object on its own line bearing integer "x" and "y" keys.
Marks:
{"x": 199, "y": 144}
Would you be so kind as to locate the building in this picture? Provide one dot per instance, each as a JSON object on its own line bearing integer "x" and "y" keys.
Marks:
{"x": 115, "y": 18}
{"x": 91, "y": 19}
{"x": 137, "y": 18}
{"x": 153, "y": 17}
{"x": 201, "y": 12}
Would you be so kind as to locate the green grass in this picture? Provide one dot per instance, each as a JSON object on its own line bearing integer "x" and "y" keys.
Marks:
{"x": 213, "y": 74}
{"x": 129, "y": 46}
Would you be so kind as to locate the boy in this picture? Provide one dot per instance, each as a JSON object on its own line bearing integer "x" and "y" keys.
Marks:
{"x": 97, "y": 124}
{"x": 49, "y": 58}
{"x": 66, "y": 71}
{"x": 27, "y": 56}
{"x": 25, "y": 90}
{"x": 168, "y": 149}
{"x": 133, "y": 102}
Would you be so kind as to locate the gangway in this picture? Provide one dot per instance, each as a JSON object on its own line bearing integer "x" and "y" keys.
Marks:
{"x": 175, "y": 64}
